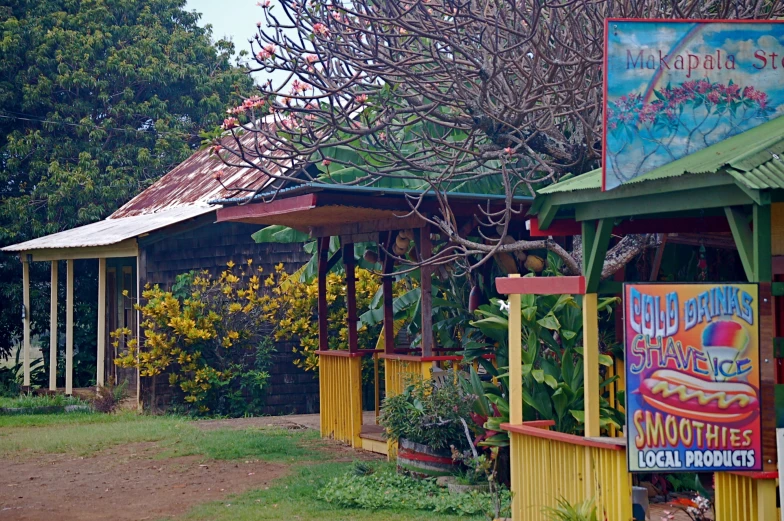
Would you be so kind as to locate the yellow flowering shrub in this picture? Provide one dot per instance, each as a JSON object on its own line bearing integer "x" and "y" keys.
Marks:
{"x": 291, "y": 306}
{"x": 207, "y": 335}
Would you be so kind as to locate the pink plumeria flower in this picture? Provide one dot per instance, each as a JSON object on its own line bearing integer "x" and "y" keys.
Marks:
{"x": 230, "y": 123}
{"x": 320, "y": 29}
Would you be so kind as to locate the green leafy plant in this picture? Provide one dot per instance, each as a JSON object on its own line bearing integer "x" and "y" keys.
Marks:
{"x": 564, "y": 511}
{"x": 552, "y": 362}
{"x": 428, "y": 413}
{"x": 385, "y": 489}
{"x": 12, "y": 375}
{"x": 108, "y": 396}
{"x": 210, "y": 339}
{"x": 33, "y": 401}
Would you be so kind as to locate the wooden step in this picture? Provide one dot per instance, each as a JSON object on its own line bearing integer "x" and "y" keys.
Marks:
{"x": 372, "y": 432}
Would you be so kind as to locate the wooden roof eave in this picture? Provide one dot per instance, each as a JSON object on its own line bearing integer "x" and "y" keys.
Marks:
{"x": 323, "y": 217}
{"x": 663, "y": 196}
{"x": 126, "y": 248}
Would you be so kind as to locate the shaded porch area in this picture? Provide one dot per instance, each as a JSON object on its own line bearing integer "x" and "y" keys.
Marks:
{"x": 352, "y": 215}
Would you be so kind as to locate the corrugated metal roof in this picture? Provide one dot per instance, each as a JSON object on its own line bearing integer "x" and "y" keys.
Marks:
{"x": 192, "y": 182}
{"x": 111, "y": 231}
{"x": 752, "y": 158}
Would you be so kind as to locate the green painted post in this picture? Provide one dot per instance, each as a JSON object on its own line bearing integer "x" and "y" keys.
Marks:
{"x": 744, "y": 240}
{"x": 596, "y": 239}
{"x": 763, "y": 270}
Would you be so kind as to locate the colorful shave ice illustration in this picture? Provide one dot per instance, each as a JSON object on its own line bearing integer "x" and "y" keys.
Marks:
{"x": 692, "y": 370}
{"x": 723, "y": 342}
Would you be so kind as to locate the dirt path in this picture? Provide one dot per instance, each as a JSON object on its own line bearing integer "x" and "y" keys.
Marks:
{"x": 122, "y": 483}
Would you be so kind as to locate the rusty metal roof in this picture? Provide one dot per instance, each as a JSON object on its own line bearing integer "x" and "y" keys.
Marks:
{"x": 192, "y": 183}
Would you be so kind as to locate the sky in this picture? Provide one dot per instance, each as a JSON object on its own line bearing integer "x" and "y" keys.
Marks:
{"x": 235, "y": 19}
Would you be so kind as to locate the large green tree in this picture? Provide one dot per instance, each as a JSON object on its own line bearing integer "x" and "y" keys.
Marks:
{"x": 98, "y": 98}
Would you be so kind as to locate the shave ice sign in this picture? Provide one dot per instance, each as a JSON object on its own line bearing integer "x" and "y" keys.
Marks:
{"x": 673, "y": 88}
{"x": 692, "y": 369}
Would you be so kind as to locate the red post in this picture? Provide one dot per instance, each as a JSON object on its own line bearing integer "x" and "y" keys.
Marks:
{"x": 323, "y": 251}
{"x": 351, "y": 296}
{"x": 386, "y": 284}
{"x": 426, "y": 276}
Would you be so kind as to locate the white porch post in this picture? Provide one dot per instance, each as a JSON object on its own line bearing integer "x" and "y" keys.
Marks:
{"x": 100, "y": 376}
{"x": 53, "y": 331}
{"x": 69, "y": 297}
{"x": 26, "y": 317}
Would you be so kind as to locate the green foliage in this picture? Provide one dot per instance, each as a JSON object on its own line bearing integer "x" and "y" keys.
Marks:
{"x": 280, "y": 234}
{"x": 295, "y": 497}
{"x": 552, "y": 363}
{"x": 99, "y": 98}
{"x": 108, "y": 396}
{"x": 386, "y": 489}
{"x": 585, "y": 511}
{"x": 428, "y": 413}
{"x": 32, "y": 401}
{"x": 12, "y": 375}
{"x": 209, "y": 337}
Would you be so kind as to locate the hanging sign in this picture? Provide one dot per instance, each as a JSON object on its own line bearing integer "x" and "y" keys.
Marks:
{"x": 672, "y": 88}
{"x": 692, "y": 377}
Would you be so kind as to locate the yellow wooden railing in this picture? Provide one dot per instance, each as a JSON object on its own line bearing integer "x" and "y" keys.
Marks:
{"x": 745, "y": 497}
{"x": 399, "y": 370}
{"x": 340, "y": 390}
{"x": 548, "y": 466}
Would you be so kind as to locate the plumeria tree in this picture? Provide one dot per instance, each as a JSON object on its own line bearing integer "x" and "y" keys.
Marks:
{"x": 441, "y": 95}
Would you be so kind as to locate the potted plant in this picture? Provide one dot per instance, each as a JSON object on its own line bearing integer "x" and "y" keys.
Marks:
{"x": 426, "y": 420}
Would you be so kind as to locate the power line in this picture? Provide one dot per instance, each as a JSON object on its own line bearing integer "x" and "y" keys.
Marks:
{"x": 31, "y": 118}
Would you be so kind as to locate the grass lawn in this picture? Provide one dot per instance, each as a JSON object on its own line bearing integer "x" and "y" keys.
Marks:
{"x": 310, "y": 461}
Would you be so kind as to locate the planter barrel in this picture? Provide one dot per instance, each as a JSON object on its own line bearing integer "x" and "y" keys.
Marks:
{"x": 422, "y": 461}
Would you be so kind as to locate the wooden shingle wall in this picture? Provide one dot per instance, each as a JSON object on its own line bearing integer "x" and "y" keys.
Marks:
{"x": 211, "y": 246}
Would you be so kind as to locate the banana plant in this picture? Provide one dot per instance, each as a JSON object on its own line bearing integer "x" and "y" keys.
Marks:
{"x": 552, "y": 360}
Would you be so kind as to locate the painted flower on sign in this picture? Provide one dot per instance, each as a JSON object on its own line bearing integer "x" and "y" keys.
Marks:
{"x": 679, "y": 120}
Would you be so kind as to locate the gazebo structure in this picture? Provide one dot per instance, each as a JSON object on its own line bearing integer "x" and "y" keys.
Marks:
{"x": 166, "y": 230}
{"x": 364, "y": 214}
{"x": 738, "y": 184}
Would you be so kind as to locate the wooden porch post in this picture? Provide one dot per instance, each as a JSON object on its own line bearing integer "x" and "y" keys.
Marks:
{"x": 323, "y": 251}
{"x": 100, "y": 377}
{"x": 426, "y": 285}
{"x": 53, "y": 330}
{"x": 26, "y": 318}
{"x": 389, "y": 312}
{"x": 351, "y": 296}
{"x": 596, "y": 239}
{"x": 69, "y": 305}
{"x": 591, "y": 364}
{"x": 515, "y": 397}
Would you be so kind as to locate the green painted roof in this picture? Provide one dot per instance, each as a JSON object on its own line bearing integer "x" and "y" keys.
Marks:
{"x": 754, "y": 159}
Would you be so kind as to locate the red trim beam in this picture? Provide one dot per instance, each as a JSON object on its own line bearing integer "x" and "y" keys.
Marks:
{"x": 541, "y": 285}
{"x": 259, "y": 210}
{"x": 539, "y": 432}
